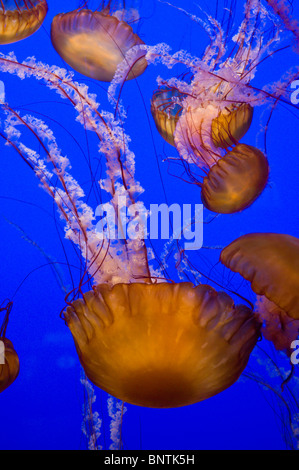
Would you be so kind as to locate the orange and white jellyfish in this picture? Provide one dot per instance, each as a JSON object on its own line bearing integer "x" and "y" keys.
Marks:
{"x": 9, "y": 360}
{"x": 270, "y": 262}
{"x": 95, "y": 42}
{"x": 20, "y": 19}
{"x": 125, "y": 328}
{"x": 232, "y": 182}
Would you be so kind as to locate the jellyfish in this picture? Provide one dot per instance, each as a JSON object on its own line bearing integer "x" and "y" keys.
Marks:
{"x": 232, "y": 182}
{"x": 95, "y": 42}
{"x": 165, "y": 113}
{"x": 126, "y": 325}
{"x": 282, "y": 9}
{"x": 9, "y": 360}
{"x": 270, "y": 262}
{"x": 206, "y": 118}
{"x": 20, "y": 19}
{"x": 161, "y": 345}
{"x": 227, "y": 128}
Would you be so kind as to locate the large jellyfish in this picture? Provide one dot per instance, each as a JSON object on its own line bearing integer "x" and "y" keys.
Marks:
{"x": 270, "y": 262}
{"x": 95, "y": 42}
{"x": 20, "y": 19}
{"x": 9, "y": 360}
{"x": 208, "y": 115}
{"x": 161, "y": 345}
{"x": 125, "y": 327}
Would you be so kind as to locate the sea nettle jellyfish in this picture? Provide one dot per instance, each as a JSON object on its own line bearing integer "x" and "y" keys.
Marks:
{"x": 139, "y": 337}
{"x": 161, "y": 345}
{"x": 95, "y": 42}
{"x": 20, "y": 19}
{"x": 9, "y": 360}
{"x": 270, "y": 262}
{"x": 206, "y": 118}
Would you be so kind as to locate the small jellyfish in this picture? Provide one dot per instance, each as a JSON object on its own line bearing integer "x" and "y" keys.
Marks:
{"x": 94, "y": 43}
{"x": 161, "y": 345}
{"x": 9, "y": 361}
{"x": 228, "y": 127}
{"x": 278, "y": 327}
{"x": 270, "y": 262}
{"x": 236, "y": 180}
{"x": 211, "y": 113}
{"x": 233, "y": 181}
{"x": 20, "y": 19}
{"x": 155, "y": 344}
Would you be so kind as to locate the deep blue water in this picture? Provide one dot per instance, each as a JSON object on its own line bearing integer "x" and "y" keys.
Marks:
{"x": 43, "y": 408}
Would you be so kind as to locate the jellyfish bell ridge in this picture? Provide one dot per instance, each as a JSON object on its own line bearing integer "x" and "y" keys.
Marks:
{"x": 161, "y": 345}
{"x": 94, "y": 43}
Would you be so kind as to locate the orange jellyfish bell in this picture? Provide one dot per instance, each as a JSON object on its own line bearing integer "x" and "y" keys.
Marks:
{"x": 20, "y": 19}
{"x": 9, "y": 360}
{"x": 236, "y": 180}
{"x": 161, "y": 345}
{"x": 10, "y": 366}
{"x": 95, "y": 43}
{"x": 165, "y": 113}
{"x": 270, "y": 261}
